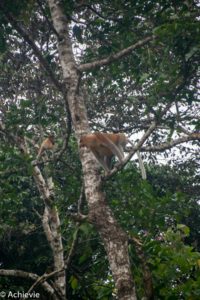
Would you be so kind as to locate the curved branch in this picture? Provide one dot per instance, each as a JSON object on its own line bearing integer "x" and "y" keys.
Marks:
{"x": 164, "y": 146}
{"x": 27, "y": 275}
{"x": 42, "y": 279}
{"x": 116, "y": 56}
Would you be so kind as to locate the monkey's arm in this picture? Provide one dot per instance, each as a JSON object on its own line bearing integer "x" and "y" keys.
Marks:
{"x": 108, "y": 161}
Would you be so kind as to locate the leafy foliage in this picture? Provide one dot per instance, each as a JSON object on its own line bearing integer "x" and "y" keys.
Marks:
{"x": 162, "y": 211}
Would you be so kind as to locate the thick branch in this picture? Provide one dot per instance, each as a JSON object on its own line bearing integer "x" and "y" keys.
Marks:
{"x": 116, "y": 56}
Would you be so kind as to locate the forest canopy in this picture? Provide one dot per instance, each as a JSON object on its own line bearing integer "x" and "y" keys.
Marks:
{"x": 68, "y": 229}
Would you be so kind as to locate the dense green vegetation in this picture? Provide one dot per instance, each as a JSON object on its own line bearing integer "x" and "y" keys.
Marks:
{"x": 163, "y": 212}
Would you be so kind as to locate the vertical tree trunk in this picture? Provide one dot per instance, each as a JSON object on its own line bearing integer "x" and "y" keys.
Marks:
{"x": 51, "y": 225}
{"x": 114, "y": 239}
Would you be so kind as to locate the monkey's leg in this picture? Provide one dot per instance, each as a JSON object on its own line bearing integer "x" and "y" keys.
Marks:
{"x": 113, "y": 148}
{"x": 101, "y": 161}
{"x": 108, "y": 161}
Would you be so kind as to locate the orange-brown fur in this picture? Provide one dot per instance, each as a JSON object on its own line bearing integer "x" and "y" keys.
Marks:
{"x": 47, "y": 144}
{"x": 105, "y": 146}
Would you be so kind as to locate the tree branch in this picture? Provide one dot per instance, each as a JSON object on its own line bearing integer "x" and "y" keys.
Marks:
{"x": 31, "y": 43}
{"x": 133, "y": 151}
{"x": 50, "y": 220}
{"x": 44, "y": 277}
{"x": 19, "y": 273}
{"x": 40, "y": 4}
{"x": 145, "y": 136}
{"x": 164, "y": 146}
{"x": 116, "y": 56}
{"x": 68, "y": 260}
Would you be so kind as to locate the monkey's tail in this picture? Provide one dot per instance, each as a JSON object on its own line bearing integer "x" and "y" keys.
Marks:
{"x": 141, "y": 165}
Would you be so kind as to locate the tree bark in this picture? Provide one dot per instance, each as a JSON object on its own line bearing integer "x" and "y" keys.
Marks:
{"x": 114, "y": 238}
{"x": 51, "y": 225}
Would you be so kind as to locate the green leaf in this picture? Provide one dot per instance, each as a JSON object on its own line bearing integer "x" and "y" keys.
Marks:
{"x": 74, "y": 282}
{"x": 185, "y": 229}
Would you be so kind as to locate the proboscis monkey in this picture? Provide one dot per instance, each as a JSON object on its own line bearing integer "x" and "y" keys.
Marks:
{"x": 47, "y": 144}
{"x": 105, "y": 146}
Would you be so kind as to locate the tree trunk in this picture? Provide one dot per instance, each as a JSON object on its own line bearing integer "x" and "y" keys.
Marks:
{"x": 51, "y": 226}
{"x": 114, "y": 239}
